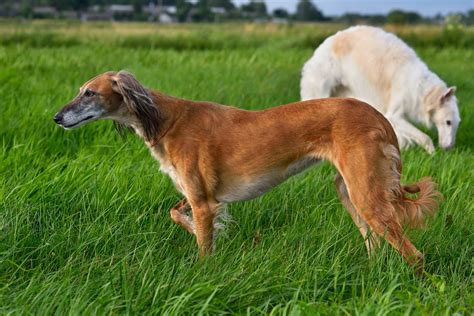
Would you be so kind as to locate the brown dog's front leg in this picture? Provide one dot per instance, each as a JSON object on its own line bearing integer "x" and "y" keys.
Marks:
{"x": 178, "y": 215}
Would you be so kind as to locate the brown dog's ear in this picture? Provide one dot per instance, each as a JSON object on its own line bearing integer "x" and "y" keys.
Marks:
{"x": 139, "y": 101}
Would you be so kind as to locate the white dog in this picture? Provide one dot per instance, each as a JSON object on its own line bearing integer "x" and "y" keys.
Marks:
{"x": 377, "y": 67}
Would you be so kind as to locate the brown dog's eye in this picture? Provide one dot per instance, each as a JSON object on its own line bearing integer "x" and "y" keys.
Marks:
{"x": 448, "y": 122}
{"x": 89, "y": 93}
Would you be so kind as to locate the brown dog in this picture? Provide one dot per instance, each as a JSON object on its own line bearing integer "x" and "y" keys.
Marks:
{"x": 219, "y": 154}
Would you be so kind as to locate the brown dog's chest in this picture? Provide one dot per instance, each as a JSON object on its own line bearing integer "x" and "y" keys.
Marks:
{"x": 167, "y": 167}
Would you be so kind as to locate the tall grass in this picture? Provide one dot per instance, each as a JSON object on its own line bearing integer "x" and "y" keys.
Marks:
{"x": 84, "y": 224}
{"x": 209, "y": 37}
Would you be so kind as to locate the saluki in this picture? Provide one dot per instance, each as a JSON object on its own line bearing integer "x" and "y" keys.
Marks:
{"x": 219, "y": 154}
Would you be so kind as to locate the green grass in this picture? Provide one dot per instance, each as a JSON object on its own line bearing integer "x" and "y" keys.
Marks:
{"x": 84, "y": 223}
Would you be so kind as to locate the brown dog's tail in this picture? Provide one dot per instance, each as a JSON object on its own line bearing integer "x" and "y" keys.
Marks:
{"x": 413, "y": 210}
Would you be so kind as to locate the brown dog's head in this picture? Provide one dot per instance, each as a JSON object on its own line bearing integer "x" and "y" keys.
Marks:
{"x": 112, "y": 95}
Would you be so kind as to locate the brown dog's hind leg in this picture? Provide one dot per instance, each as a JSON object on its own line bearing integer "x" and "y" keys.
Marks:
{"x": 204, "y": 214}
{"x": 371, "y": 240}
{"x": 392, "y": 232}
{"x": 381, "y": 216}
{"x": 371, "y": 172}
{"x": 178, "y": 215}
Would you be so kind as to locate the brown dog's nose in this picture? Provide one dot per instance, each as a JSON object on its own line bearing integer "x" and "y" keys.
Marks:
{"x": 57, "y": 118}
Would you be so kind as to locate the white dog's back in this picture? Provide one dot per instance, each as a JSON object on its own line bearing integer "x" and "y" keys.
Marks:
{"x": 362, "y": 62}
{"x": 378, "y": 68}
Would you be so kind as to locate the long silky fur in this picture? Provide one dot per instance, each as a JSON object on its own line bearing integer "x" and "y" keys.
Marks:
{"x": 411, "y": 211}
{"x": 122, "y": 129}
{"x": 140, "y": 102}
{"x": 222, "y": 219}
{"x": 415, "y": 210}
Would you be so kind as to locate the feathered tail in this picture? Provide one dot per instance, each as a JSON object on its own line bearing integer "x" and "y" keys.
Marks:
{"x": 414, "y": 210}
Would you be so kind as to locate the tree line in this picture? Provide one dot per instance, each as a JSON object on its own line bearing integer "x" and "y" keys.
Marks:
{"x": 202, "y": 11}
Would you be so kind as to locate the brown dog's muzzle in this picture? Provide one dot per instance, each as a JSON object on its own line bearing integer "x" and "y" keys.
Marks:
{"x": 77, "y": 113}
{"x": 58, "y": 118}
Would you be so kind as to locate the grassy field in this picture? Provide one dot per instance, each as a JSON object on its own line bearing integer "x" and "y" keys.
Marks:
{"x": 84, "y": 223}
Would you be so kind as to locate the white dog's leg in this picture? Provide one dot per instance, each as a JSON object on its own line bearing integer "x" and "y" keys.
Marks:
{"x": 407, "y": 133}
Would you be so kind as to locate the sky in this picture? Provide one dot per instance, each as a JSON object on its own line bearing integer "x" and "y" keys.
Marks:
{"x": 338, "y": 7}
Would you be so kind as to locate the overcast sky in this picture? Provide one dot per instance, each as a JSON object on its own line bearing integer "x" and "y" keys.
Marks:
{"x": 337, "y": 7}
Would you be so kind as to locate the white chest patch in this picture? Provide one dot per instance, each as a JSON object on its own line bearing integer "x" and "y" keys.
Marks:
{"x": 168, "y": 168}
{"x": 171, "y": 172}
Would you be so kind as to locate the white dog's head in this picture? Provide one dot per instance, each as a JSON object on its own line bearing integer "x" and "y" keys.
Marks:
{"x": 442, "y": 107}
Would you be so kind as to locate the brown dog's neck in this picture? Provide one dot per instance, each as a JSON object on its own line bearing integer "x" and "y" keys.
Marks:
{"x": 169, "y": 109}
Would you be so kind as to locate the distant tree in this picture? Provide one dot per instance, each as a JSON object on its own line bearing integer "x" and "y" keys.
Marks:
{"x": 79, "y": 5}
{"x": 203, "y": 11}
{"x": 227, "y": 4}
{"x": 280, "y": 13}
{"x": 351, "y": 18}
{"x": 307, "y": 11}
{"x": 469, "y": 17}
{"x": 61, "y": 5}
{"x": 403, "y": 17}
{"x": 256, "y": 8}
{"x": 183, "y": 7}
{"x": 377, "y": 19}
{"x": 137, "y": 7}
{"x": 26, "y": 9}
{"x": 438, "y": 18}
{"x": 354, "y": 18}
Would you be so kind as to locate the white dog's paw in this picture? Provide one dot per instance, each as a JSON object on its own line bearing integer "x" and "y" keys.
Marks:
{"x": 428, "y": 145}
